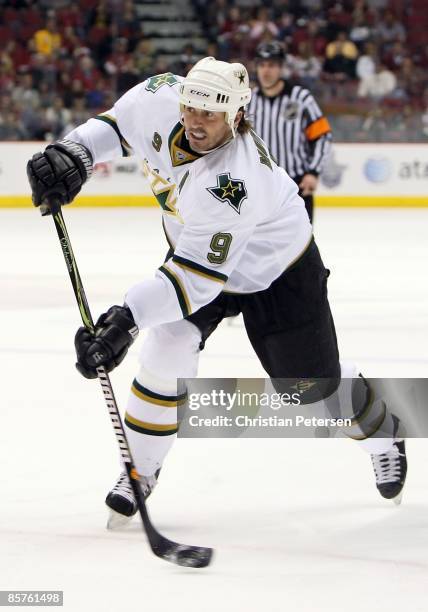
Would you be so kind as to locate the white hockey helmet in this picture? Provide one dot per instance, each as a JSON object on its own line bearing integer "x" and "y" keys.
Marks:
{"x": 216, "y": 86}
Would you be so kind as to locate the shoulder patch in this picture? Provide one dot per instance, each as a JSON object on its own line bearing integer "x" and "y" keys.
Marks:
{"x": 158, "y": 81}
{"x": 232, "y": 191}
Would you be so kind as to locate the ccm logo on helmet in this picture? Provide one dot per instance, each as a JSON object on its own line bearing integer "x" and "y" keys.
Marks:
{"x": 199, "y": 93}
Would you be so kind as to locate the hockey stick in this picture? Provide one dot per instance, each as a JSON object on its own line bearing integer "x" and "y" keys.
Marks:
{"x": 181, "y": 554}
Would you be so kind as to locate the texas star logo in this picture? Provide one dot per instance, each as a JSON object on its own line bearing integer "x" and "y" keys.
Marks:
{"x": 229, "y": 190}
{"x": 159, "y": 80}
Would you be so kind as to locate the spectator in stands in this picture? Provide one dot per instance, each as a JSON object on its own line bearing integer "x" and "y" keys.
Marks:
{"x": 72, "y": 16}
{"x": 11, "y": 127}
{"x": 70, "y": 41}
{"x": 127, "y": 77}
{"x": 47, "y": 94}
{"x": 188, "y": 58}
{"x": 411, "y": 80}
{"x": 394, "y": 57}
{"x": 18, "y": 53}
{"x": 307, "y": 67}
{"x": 360, "y": 31}
{"x": 79, "y": 110}
{"x": 43, "y": 69}
{"x": 339, "y": 19}
{"x": 263, "y": 25}
{"x": 317, "y": 38}
{"x": 7, "y": 73}
{"x": 72, "y": 88}
{"x": 235, "y": 42}
{"x": 286, "y": 27}
{"x": 48, "y": 39}
{"x": 377, "y": 85}
{"x": 24, "y": 92}
{"x": 129, "y": 25}
{"x": 341, "y": 56}
{"x": 228, "y": 29}
{"x": 99, "y": 15}
{"x": 366, "y": 63}
{"x": 144, "y": 57}
{"x": 389, "y": 30}
{"x": 57, "y": 118}
{"x": 86, "y": 71}
{"x": 118, "y": 57}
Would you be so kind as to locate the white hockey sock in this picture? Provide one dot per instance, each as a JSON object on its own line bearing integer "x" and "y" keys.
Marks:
{"x": 151, "y": 420}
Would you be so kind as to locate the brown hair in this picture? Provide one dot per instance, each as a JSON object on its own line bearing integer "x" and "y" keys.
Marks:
{"x": 244, "y": 125}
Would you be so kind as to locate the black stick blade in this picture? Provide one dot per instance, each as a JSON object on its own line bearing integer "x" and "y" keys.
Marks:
{"x": 182, "y": 554}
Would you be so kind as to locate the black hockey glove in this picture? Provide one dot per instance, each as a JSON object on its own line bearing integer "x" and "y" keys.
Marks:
{"x": 57, "y": 175}
{"x": 115, "y": 331}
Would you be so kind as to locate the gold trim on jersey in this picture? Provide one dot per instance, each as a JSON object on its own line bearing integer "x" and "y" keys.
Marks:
{"x": 167, "y": 236}
{"x": 111, "y": 121}
{"x": 182, "y": 296}
{"x": 196, "y": 268}
{"x": 163, "y": 190}
{"x": 180, "y": 153}
{"x": 296, "y": 259}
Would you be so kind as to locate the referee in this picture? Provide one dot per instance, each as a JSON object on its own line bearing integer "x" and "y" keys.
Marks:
{"x": 289, "y": 120}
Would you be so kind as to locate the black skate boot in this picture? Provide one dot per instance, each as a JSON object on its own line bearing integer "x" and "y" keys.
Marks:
{"x": 122, "y": 502}
{"x": 390, "y": 470}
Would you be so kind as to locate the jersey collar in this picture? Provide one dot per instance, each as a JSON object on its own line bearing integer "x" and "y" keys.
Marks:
{"x": 179, "y": 148}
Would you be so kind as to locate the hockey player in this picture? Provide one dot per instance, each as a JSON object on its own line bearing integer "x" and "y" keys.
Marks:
{"x": 240, "y": 241}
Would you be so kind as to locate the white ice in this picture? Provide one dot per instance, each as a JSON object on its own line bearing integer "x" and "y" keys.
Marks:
{"x": 296, "y": 524}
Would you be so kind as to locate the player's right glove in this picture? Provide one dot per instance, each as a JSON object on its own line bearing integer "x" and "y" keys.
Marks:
{"x": 115, "y": 331}
{"x": 57, "y": 174}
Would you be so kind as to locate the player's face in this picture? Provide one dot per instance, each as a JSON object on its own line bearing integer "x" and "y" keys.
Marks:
{"x": 205, "y": 130}
{"x": 268, "y": 73}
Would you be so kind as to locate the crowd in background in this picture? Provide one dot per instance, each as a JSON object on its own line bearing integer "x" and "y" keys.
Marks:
{"x": 61, "y": 62}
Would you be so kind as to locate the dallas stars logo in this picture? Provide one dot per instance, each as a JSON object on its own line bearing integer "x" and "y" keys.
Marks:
{"x": 241, "y": 77}
{"x": 229, "y": 190}
{"x": 158, "y": 81}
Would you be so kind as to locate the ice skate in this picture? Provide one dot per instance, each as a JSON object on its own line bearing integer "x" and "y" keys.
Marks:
{"x": 390, "y": 471}
{"x": 121, "y": 500}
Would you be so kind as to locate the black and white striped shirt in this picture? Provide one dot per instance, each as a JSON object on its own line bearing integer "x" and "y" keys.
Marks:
{"x": 294, "y": 128}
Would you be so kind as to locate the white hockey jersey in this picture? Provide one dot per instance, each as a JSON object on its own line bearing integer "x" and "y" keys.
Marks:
{"x": 232, "y": 217}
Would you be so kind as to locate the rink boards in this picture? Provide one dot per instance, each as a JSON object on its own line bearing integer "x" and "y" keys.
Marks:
{"x": 387, "y": 175}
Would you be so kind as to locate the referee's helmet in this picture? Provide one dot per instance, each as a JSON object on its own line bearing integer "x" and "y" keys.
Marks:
{"x": 216, "y": 86}
{"x": 270, "y": 51}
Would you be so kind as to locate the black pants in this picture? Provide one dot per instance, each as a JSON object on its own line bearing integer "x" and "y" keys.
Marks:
{"x": 308, "y": 199}
{"x": 309, "y": 205}
{"x": 289, "y": 325}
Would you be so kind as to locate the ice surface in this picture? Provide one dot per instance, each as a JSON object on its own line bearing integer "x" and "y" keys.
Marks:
{"x": 297, "y": 524}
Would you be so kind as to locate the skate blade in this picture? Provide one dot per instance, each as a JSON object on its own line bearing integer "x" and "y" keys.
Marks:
{"x": 398, "y": 498}
{"x": 116, "y": 520}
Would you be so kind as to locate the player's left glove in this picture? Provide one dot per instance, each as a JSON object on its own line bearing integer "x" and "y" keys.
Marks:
{"x": 115, "y": 331}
